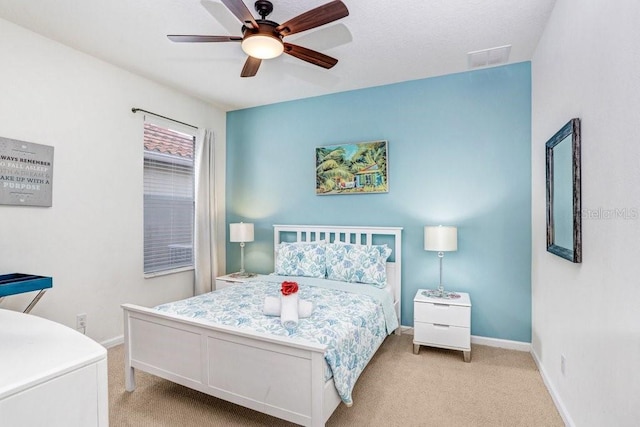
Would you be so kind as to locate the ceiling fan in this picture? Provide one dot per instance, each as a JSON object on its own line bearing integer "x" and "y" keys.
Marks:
{"x": 262, "y": 39}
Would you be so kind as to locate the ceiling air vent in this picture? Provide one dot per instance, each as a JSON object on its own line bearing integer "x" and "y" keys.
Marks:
{"x": 489, "y": 57}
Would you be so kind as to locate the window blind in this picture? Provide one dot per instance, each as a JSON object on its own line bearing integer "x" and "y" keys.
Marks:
{"x": 168, "y": 198}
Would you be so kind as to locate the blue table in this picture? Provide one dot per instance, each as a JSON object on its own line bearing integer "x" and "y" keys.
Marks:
{"x": 18, "y": 283}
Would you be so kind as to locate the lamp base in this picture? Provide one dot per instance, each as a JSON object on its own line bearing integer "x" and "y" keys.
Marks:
{"x": 435, "y": 293}
{"x": 242, "y": 274}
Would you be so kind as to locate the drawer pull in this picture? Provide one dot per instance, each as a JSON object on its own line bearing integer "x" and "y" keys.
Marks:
{"x": 440, "y": 325}
{"x": 439, "y": 304}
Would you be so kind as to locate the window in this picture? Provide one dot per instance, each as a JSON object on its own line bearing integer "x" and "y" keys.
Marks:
{"x": 168, "y": 199}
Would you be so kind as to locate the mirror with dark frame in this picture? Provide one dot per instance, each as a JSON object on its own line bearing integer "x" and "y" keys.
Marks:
{"x": 564, "y": 225}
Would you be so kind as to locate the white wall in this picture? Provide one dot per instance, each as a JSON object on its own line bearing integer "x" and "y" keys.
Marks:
{"x": 587, "y": 66}
{"x": 90, "y": 241}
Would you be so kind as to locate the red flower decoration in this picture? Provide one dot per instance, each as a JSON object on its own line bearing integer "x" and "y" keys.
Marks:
{"x": 289, "y": 288}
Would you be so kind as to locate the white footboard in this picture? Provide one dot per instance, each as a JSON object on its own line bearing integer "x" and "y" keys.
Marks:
{"x": 262, "y": 372}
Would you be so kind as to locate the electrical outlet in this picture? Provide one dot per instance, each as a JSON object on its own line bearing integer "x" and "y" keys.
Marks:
{"x": 563, "y": 364}
{"x": 81, "y": 322}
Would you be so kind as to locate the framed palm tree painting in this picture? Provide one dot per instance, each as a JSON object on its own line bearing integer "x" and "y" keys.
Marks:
{"x": 352, "y": 168}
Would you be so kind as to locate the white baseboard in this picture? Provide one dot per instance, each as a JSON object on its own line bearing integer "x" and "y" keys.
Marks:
{"x": 500, "y": 343}
{"x": 491, "y": 342}
{"x": 406, "y": 330}
{"x": 568, "y": 421}
{"x": 113, "y": 342}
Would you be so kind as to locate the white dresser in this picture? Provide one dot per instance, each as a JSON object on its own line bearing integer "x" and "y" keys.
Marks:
{"x": 444, "y": 323}
{"x": 50, "y": 374}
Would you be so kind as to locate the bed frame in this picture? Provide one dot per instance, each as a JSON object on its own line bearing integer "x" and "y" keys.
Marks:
{"x": 266, "y": 373}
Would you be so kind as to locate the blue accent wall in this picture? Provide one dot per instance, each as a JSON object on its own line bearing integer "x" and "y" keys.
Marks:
{"x": 459, "y": 154}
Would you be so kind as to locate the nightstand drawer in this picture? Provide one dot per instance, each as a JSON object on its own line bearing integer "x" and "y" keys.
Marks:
{"x": 442, "y": 335}
{"x": 444, "y": 314}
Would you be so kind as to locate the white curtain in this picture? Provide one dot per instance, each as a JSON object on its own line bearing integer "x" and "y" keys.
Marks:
{"x": 205, "y": 257}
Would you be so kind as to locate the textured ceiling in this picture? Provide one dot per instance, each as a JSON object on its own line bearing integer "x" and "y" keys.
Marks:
{"x": 380, "y": 42}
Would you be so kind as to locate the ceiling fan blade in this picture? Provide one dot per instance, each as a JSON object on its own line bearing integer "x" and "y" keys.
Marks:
{"x": 325, "y": 38}
{"x": 321, "y": 15}
{"x": 251, "y": 66}
{"x": 222, "y": 15}
{"x": 202, "y": 39}
{"x": 310, "y": 56}
{"x": 240, "y": 10}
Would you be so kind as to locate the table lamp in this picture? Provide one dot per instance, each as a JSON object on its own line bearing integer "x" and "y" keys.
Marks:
{"x": 241, "y": 232}
{"x": 441, "y": 239}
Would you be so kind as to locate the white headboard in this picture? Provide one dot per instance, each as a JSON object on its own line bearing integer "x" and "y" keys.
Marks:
{"x": 358, "y": 235}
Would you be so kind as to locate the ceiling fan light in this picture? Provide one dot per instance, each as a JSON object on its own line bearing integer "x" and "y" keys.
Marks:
{"x": 262, "y": 46}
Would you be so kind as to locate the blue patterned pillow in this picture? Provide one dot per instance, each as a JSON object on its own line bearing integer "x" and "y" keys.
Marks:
{"x": 301, "y": 259}
{"x": 358, "y": 263}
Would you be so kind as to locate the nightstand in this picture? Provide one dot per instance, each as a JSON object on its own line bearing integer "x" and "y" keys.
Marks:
{"x": 442, "y": 322}
{"x": 231, "y": 279}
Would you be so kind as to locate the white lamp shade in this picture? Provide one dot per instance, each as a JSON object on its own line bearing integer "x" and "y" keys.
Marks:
{"x": 241, "y": 232}
{"x": 440, "y": 238}
{"x": 262, "y": 46}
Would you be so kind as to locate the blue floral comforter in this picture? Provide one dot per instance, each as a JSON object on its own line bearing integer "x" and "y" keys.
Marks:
{"x": 351, "y": 319}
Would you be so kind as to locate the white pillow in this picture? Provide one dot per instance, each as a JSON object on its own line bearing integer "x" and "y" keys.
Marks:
{"x": 301, "y": 259}
{"x": 358, "y": 263}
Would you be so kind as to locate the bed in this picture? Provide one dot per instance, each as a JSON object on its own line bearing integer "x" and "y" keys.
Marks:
{"x": 281, "y": 375}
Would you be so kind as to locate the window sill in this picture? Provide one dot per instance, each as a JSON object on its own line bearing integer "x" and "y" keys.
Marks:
{"x": 167, "y": 272}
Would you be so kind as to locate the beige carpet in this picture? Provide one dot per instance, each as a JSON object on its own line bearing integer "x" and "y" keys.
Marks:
{"x": 434, "y": 388}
